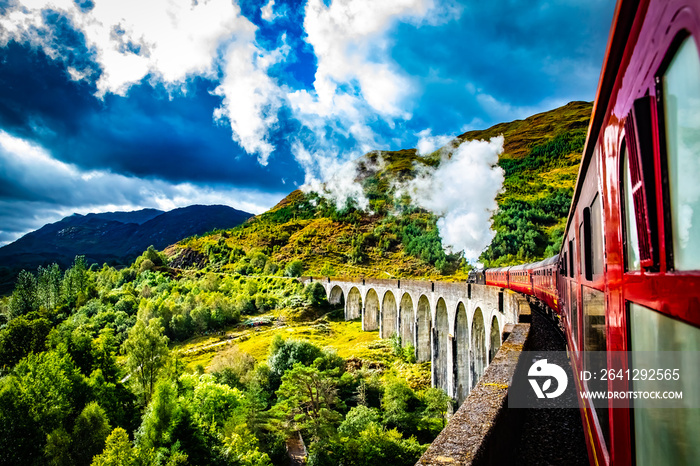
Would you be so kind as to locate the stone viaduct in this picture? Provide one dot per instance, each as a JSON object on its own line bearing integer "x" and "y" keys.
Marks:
{"x": 456, "y": 326}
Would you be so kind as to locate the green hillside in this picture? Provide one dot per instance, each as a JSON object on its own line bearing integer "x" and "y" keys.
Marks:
{"x": 396, "y": 239}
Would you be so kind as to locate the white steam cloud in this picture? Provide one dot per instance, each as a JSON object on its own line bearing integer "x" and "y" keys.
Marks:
{"x": 461, "y": 191}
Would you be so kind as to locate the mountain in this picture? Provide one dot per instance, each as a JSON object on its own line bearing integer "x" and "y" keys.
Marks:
{"x": 115, "y": 236}
{"x": 394, "y": 238}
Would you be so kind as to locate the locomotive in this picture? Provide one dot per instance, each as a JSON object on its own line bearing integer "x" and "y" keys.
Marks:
{"x": 627, "y": 277}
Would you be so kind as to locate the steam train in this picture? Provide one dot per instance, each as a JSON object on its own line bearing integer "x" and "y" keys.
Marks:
{"x": 627, "y": 277}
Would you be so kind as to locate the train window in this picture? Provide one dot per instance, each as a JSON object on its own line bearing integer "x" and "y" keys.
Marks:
{"x": 663, "y": 435}
{"x": 681, "y": 97}
{"x": 573, "y": 299}
{"x": 631, "y": 241}
{"x": 582, "y": 242}
{"x": 592, "y": 240}
{"x": 571, "y": 259}
{"x": 564, "y": 265}
{"x": 585, "y": 232}
{"x": 596, "y": 237}
{"x": 594, "y": 339}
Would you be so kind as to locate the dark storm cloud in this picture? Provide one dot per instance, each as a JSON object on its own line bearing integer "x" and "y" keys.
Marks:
{"x": 36, "y": 189}
{"x": 151, "y": 132}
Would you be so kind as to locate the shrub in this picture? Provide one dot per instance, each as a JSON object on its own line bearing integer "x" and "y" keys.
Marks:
{"x": 294, "y": 269}
{"x": 315, "y": 295}
{"x": 146, "y": 264}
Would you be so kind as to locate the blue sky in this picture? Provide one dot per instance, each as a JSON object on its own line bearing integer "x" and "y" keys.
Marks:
{"x": 119, "y": 105}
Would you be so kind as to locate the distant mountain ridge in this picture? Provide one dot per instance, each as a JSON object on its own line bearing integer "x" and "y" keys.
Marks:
{"x": 116, "y": 237}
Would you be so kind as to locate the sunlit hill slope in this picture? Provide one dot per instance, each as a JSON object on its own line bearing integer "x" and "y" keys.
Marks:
{"x": 393, "y": 238}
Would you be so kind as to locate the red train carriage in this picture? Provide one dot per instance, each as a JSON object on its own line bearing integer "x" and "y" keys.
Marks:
{"x": 632, "y": 242}
{"x": 497, "y": 277}
{"x": 544, "y": 281}
{"x": 628, "y": 274}
{"x": 520, "y": 279}
{"x": 631, "y": 274}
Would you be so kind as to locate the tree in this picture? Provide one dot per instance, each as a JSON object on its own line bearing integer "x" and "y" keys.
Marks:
{"x": 241, "y": 448}
{"x": 315, "y": 295}
{"x": 358, "y": 419}
{"x": 232, "y": 366}
{"x": 327, "y": 270}
{"x": 437, "y": 403}
{"x": 75, "y": 340}
{"x": 51, "y": 386}
{"x": 308, "y": 397}
{"x": 146, "y": 351}
{"x": 284, "y": 354}
{"x": 89, "y": 434}
{"x": 357, "y": 253}
{"x": 75, "y": 282}
{"x": 57, "y": 449}
{"x": 20, "y": 437}
{"x": 118, "y": 451}
{"x": 23, "y": 299}
{"x": 22, "y": 336}
{"x": 157, "y": 422}
{"x": 36, "y": 400}
{"x": 399, "y": 403}
{"x": 49, "y": 286}
{"x": 377, "y": 446}
{"x": 214, "y": 402}
{"x": 147, "y": 264}
{"x": 155, "y": 257}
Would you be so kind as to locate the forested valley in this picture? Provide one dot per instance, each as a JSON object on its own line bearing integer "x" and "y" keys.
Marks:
{"x": 90, "y": 374}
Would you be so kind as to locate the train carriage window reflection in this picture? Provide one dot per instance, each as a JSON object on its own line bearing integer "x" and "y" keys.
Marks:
{"x": 582, "y": 245}
{"x": 573, "y": 300}
{"x": 596, "y": 238}
{"x": 594, "y": 339}
{"x": 681, "y": 97}
{"x": 663, "y": 435}
{"x": 571, "y": 259}
{"x": 631, "y": 240}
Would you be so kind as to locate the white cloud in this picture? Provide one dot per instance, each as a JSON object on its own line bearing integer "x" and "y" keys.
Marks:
{"x": 267, "y": 13}
{"x": 170, "y": 41}
{"x": 357, "y": 83}
{"x": 45, "y": 190}
{"x": 427, "y": 143}
{"x": 132, "y": 38}
{"x": 503, "y": 111}
{"x": 350, "y": 43}
{"x": 330, "y": 175}
{"x": 462, "y": 193}
{"x": 251, "y": 99}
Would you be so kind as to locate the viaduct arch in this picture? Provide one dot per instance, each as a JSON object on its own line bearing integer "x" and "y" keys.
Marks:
{"x": 456, "y": 326}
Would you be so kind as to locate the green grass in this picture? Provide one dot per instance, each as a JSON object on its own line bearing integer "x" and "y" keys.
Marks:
{"x": 346, "y": 338}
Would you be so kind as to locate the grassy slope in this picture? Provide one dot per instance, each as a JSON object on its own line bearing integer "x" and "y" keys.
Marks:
{"x": 346, "y": 338}
{"x": 541, "y": 158}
